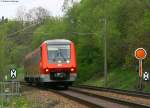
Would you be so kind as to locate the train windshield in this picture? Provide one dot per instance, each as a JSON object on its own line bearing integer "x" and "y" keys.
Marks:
{"x": 59, "y": 53}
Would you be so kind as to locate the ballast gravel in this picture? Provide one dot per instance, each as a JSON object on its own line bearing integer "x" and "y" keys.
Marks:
{"x": 47, "y": 99}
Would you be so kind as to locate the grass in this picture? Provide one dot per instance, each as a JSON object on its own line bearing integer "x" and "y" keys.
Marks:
{"x": 24, "y": 102}
{"x": 15, "y": 102}
{"x": 120, "y": 79}
{"x": 20, "y": 73}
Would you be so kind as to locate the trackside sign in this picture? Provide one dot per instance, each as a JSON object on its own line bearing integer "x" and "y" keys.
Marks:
{"x": 140, "y": 54}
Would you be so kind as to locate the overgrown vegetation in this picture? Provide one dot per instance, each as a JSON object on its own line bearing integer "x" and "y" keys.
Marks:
{"x": 127, "y": 28}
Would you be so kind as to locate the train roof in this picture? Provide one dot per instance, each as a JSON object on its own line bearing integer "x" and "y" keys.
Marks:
{"x": 53, "y": 41}
{"x": 58, "y": 41}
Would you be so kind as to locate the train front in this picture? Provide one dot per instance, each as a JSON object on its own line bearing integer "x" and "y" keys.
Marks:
{"x": 58, "y": 62}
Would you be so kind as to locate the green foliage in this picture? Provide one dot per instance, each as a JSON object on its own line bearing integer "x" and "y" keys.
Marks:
{"x": 3, "y": 61}
{"x": 121, "y": 79}
{"x": 13, "y": 46}
{"x": 16, "y": 102}
{"x": 17, "y": 55}
{"x": 52, "y": 28}
{"x": 127, "y": 25}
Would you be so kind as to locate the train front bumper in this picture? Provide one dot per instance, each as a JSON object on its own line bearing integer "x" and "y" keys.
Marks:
{"x": 48, "y": 78}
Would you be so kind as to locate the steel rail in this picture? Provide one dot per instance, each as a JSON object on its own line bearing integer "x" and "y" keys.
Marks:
{"x": 92, "y": 100}
{"x": 117, "y": 91}
{"x": 111, "y": 99}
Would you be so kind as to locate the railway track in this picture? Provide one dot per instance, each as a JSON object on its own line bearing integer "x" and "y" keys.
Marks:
{"x": 94, "y": 100}
{"x": 91, "y": 97}
{"x": 118, "y": 91}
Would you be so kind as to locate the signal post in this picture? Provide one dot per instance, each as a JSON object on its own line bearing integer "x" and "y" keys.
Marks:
{"x": 140, "y": 54}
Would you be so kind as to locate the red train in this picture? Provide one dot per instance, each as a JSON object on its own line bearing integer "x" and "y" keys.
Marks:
{"x": 54, "y": 62}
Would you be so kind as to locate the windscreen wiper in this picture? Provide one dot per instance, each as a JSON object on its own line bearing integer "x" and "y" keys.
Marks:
{"x": 62, "y": 55}
{"x": 57, "y": 54}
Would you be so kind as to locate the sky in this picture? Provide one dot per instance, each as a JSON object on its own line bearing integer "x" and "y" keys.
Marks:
{"x": 9, "y": 9}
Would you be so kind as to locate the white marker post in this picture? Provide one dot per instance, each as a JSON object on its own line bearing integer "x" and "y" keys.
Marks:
{"x": 146, "y": 76}
{"x": 13, "y": 73}
{"x": 140, "y": 54}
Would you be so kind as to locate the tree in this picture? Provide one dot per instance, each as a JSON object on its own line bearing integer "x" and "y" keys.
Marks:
{"x": 37, "y": 15}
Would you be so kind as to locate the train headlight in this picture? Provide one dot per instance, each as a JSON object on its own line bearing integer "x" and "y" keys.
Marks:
{"x": 59, "y": 61}
{"x": 68, "y": 61}
{"x": 72, "y": 69}
{"x": 46, "y": 70}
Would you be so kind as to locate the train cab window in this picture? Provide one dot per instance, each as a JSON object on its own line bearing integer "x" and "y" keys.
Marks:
{"x": 59, "y": 53}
